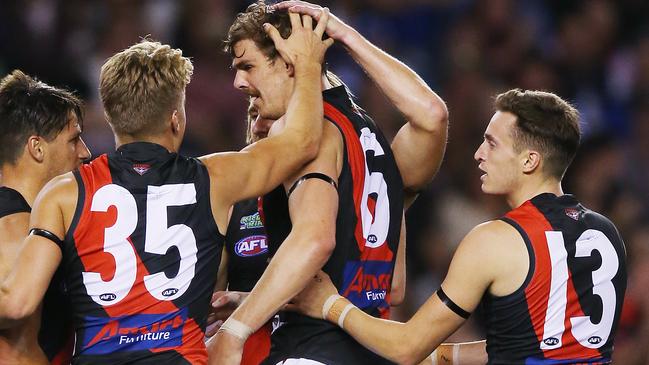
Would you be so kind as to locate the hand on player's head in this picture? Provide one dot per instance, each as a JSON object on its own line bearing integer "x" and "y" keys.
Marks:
{"x": 314, "y": 295}
{"x": 305, "y": 44}
{"x": 335, "y": 28}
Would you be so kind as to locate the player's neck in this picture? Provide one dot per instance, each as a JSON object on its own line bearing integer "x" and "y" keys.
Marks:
{"x": 28, "y": 181}
{"x": 532, "y": 188}
{"x": 163, "y": 140}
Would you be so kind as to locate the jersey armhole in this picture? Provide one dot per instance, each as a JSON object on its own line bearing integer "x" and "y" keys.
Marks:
{"x": 78, "y": 211}
{"x": 531, "y": 257}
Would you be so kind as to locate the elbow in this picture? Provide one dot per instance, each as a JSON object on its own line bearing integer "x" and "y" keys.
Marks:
{"x": 325, "y": 248}
{"x": 16, "y": 310}
{"x": 308, "y": 144}
{"x": 437, "y": 116}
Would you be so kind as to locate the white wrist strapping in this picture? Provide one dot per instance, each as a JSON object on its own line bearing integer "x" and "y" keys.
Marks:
{"x": 328, "y": 304}
{"x": 343, "y": 314}
{"x": 236, "y": 328}
{"x": 456, "y": 353}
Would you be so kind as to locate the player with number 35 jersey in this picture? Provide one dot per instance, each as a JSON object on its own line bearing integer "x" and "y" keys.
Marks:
{"x": 139, "y": 231}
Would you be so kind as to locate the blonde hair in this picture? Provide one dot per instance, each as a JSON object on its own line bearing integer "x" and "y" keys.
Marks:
{"x": 141, "y": 85}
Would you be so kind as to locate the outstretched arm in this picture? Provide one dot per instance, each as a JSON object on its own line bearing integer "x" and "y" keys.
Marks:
{"x": 474, "y": 266}
{"x": 420, "y": 144}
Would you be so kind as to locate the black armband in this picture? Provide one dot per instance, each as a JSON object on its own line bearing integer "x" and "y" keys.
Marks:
{"x": 451, "y": 304}
{"x": 313, "y": 175}
{"x": 47, "y": 234}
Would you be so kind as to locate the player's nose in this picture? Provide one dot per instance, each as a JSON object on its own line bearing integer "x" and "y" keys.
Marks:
{"x": 240, "y": 81}
{"x": 84, "y": 151}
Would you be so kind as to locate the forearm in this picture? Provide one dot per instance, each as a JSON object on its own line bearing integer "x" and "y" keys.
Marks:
{"x": 16, "y": 303}
{"x": 396, "y": 341}
{"x": 422, "y": 107}
{"x": 292, "y": 267}
{"x": 303, "y": 119}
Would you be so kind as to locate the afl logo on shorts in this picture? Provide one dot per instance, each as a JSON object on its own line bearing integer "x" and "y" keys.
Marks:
{"x": 251, "y": 246}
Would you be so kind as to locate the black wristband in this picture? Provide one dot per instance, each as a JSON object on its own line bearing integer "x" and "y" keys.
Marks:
{"x": 451, "y": 304}
{"x": 313, "y": 175}
{"x": 47, "y": 234}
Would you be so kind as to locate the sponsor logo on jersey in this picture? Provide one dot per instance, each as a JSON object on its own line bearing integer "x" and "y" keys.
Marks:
{"x": 251, "y": 246}
{"x": 572, "y": 213}
{"x": 367, "y": 284}
{"x": 141, "y": 168}
{"x": 104, "y": 335}
{"x": 250, "y": 222}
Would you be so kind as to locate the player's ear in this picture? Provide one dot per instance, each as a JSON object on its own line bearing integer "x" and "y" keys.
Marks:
{"x": 175, "y": 122}
{"x": 290, "y": 69}
{"x": 36, "y": 148}
{"x": 531, "y": 160}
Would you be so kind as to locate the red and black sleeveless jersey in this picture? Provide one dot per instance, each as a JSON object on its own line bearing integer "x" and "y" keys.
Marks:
{"x": 247, "y": 246}
{"x": 55, "y": 335}
{"x": 568, "y": 308}
{"x": 370, "y": 207}
{"x": 141, "y": 258}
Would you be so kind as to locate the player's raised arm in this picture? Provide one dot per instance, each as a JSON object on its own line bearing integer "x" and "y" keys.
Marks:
{"x": 23, "y": 289}
{"x": 265, "y": 164}
{"x": 420, "y": 144}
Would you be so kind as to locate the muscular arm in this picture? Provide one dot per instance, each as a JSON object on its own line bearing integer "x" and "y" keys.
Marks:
{"x": 23, "y": 289}
{"x": 313, "y": 208}
{"x": 419, "y": 145}
{"x": 262, "y": 166}
{"x": 476, "y": 266}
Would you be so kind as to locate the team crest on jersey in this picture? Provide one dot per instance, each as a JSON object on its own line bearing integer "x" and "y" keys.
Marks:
{"x": 572, "y": 213}
{"x": 137, "y": 332}
{"x": 141, "y": 168}
{"x": 250, "y": 222}
{"x": 251, "y": 246}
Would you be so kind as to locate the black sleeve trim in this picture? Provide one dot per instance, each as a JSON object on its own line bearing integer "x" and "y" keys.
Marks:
{"x": 451, "y": 304}
{"x": 313, "y": 175}
{"x": 47, "y": 234}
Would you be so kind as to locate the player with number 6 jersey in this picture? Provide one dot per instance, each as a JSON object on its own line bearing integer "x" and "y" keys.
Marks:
{"x": 368, "y": 223}
{"x": 139, "y": 232}
{"x": 342, "y": 211}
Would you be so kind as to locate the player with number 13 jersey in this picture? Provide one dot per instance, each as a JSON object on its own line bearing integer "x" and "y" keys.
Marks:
{"x": 570, "y": 303}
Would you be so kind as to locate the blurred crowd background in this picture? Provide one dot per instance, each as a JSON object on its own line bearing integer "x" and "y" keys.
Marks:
{"x": 594, "y": 53}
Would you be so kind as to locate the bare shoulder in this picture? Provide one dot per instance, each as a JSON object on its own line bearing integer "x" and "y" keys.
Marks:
{"x": 60, "y": 187}
{"x": 491, "y": 239}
